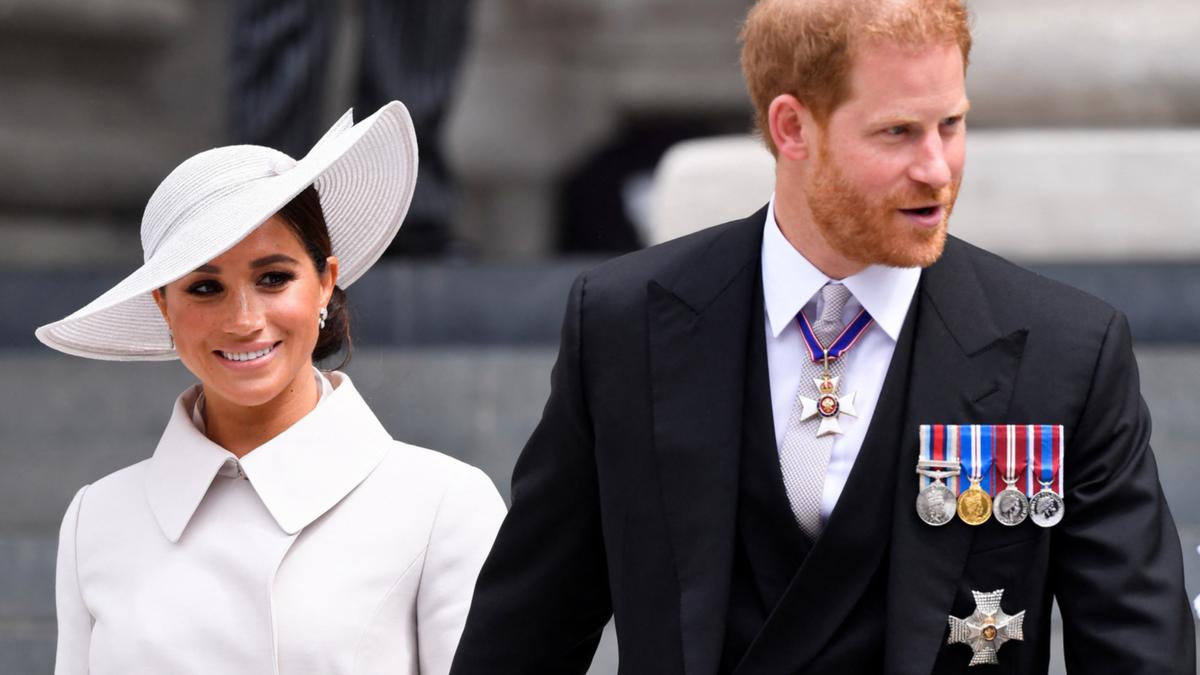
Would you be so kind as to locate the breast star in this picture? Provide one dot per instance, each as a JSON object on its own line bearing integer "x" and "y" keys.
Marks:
{"x": 987, "y": 629}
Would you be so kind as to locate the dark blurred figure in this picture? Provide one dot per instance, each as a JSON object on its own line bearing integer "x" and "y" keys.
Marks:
{"x": 603, "y": 202}
{"x": 411, "y": 50}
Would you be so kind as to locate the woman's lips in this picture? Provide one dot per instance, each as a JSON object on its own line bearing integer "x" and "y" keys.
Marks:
{"x": 247, "y": 356}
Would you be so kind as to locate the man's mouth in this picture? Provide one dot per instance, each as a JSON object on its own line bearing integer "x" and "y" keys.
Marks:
{"x": 925, "y": 217}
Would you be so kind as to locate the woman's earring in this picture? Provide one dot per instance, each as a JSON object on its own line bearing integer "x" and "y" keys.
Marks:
{"x": 321, "y": 316}
{"x": 171, "y": 337}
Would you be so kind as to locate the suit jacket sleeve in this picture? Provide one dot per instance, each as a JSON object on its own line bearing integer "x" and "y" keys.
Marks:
{"x": 1116, "y": 559}
{"x": 467, "y": 519}
{"x": 74, "y": 619}
{"x": 543, "y": 598}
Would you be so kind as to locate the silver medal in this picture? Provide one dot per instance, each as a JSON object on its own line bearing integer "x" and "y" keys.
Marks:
{"x": 1046, "y": 508}
{"x": 987, "y": 629}
{"x": 1011, "y": 507}
{"x": 936, "y": 504}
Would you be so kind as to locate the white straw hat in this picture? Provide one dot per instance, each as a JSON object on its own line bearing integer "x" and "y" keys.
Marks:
{"x": 364, "y": 173}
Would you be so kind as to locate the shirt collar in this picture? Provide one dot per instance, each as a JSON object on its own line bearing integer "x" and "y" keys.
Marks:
{"x": 299, "y": 475}
{"x": 790, "y": 281}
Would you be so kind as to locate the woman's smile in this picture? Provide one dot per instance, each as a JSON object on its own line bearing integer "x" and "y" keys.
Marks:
{"x": 247, "y": 356}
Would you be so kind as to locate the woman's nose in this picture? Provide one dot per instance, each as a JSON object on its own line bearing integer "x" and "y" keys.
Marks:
{"x": 245, "y": 313}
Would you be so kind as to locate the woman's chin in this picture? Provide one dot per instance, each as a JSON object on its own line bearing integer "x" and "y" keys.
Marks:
{"x": 248, "y": 389}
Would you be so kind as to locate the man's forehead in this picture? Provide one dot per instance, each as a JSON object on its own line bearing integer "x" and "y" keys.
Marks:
{"x": 908, "y": 78}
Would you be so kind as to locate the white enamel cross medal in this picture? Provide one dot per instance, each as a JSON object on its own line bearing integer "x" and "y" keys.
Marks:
{"x": 828, "y": 405}
{"x": 987, "y": 629}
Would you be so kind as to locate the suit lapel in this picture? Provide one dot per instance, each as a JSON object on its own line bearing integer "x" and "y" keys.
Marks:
{"x": 964, "y": 369}
{"x": 698, "y": 325}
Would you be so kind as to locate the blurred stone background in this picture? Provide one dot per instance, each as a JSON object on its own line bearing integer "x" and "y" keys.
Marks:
{"x": 1083, "y": 160}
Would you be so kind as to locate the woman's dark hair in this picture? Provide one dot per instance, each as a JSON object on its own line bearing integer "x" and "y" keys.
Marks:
{"x": 304, "y": 216}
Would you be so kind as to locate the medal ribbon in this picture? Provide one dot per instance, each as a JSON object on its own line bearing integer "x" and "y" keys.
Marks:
{"x": 925, "y": 431}
{"x": 1011, "y": 455}
{"x": 849, "y": 337}
{"x": 1046, "y": 451}
{"x": 977, "y": 448}
{"x": 947, "y": 449}
{"x": 936, "y": 445}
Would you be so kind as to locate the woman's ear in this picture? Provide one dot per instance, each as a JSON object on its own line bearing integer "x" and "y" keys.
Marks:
{"x": 329, "y": 279}
{"x": 160, "y": 299}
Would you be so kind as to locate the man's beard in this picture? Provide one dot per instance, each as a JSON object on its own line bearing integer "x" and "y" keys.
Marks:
{"x": 873, "y": 231}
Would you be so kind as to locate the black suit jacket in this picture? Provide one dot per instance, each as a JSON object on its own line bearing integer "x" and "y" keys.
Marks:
{"x": 624, "y": 500}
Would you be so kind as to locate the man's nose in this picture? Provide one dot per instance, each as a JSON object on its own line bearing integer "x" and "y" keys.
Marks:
{"x": 930, "y": 167}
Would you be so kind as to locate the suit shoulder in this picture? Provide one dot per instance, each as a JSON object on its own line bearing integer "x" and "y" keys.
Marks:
{"x": 626, "y": 276}
{"x": 1028, "y": 293}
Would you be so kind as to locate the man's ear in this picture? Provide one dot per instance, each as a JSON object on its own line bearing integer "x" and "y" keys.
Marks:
{"x": 792, "y": 127}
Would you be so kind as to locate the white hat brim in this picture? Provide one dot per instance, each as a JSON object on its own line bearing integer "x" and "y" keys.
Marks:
{"x": 365, "y": 175}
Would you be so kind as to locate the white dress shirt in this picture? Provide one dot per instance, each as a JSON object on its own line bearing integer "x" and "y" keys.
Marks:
{"x": 791, "y": 284}
{"x": 329, "y": 549}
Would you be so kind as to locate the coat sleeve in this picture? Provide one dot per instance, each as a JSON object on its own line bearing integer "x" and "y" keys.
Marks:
{"x": 74, "y": 619}
{"x": 463, "y": 531}
{"x": 1116, "y": 561}
{"x": 543, "y": 597}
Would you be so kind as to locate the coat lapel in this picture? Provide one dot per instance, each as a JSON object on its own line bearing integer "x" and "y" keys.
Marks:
{"x": 964, "y": 369}
{"x": 698, "y": 325}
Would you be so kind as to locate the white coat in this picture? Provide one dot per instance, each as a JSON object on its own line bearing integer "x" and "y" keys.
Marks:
{"x": 330, "y": 549}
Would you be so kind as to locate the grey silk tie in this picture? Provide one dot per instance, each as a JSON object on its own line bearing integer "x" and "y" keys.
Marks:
{"x": 803, "y": 457}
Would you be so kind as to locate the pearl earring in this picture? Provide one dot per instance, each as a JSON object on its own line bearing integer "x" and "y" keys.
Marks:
{"x": 321, "y": 316}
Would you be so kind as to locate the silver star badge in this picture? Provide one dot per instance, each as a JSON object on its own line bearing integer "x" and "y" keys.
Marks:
{"x": 828, "y": 406}
{"x": 987, "y": 629}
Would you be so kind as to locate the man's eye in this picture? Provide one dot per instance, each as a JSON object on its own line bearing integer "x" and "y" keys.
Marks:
{"x": 206, "y": 287}
{"x": 896, "y": 131}
{"x": 274, "y": 279}
{"x": 952, "y": 121}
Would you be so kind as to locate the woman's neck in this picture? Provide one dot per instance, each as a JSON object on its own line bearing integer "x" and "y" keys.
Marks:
{"x": 240, "y": 429}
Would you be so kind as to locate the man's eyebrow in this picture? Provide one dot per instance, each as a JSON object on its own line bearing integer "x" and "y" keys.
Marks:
{"x": 903, "y": 118}
{"x": 273, "y": 259}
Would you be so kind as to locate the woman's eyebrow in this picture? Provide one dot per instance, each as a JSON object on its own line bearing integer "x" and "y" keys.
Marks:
{"x": 258, "y": 262}
{"x": 273, "y": 259}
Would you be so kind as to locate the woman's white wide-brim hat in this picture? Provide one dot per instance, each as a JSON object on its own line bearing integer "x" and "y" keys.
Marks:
{"x": 364, "y": 173}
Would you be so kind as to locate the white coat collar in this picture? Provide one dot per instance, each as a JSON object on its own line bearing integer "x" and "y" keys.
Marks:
{"x": 299, "y": 475}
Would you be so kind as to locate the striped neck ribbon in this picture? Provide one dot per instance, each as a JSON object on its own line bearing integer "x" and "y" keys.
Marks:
{"x": 849, "y": 337}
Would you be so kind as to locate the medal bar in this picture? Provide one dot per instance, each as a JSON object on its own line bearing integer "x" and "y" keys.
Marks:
{"x": 1014, "y": 472}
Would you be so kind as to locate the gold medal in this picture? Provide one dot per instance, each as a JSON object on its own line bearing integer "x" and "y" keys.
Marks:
{"x": 974, "y": 505}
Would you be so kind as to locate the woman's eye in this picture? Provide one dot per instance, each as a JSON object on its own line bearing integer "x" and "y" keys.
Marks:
{"x": 206, "y": 287}
{"x": 274, "y": 279}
